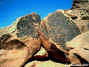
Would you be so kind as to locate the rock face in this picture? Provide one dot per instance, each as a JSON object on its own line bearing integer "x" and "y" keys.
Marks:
{"x": 80, "y": 9}
{"x": 19, "y": 49}
{"x": 80, "y": 41}
{"x": 27, "y": 25}
{"x": 13, "y": 58}
{"x": 80, "y": 46}
{"x": 62, "y": 35}
{"x": 11, "y": 50}
{"x": 58, "y": 29}
{"x": 80, "y": 4}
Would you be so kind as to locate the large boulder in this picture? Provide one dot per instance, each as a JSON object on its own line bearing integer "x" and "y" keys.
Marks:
{"x": 82, "y": 20}
{"x": 58, "y": 29}
{"x": 14, "y": 57}
{"x": 80, "y": 14}
{"x": 21, "y": 42}
{"x": 12, "y": 52}
{"x": 80, "y": 4}
{"x": 81, "y": 40}
{"x": 27, "y": 25}
{"x": 55, "y": 30}
{"x": 80, "y": 46}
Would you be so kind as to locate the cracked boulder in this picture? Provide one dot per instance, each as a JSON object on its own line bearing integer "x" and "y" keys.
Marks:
{"x": 79, "y": 46}
{"x": 21, "y": 45}
{"x": 27, "y": 25}
{"x": 27, "y": 28}
{"x": 57, "y": 28}
{"x": 12, "y": 52}
{"x": 81, "y": 11}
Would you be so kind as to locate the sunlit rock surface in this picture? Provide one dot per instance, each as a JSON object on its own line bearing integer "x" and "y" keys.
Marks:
{"x": 80, "y": 46}
{"x": 14, "y": 45}
{"x": 80, "y": 9}
{"x": 60, "y": 27}
{"x": 48, "y": 63}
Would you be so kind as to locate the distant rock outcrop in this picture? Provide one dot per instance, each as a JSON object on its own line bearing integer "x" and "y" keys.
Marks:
{"x": 80, "y": 9}
{"x": 80, "y": 4}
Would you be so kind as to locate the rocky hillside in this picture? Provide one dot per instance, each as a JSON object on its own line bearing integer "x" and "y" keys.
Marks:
{"x": 60, "y": 39}
{"x": 80, "y": 10}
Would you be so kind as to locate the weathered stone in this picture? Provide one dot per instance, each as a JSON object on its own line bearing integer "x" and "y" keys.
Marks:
{"x": 42, "y": 53}
{"x": 81, "y": 40}
{"x": 79, "y": 56}
{"x": 27, "y": 25}
{"x": 54, "y": 51}
{"x": 48, "y": 63}
{"x": 81, "y": 20}
{"x": 13, "y": 58}
{"x": 80, "y": 4}
{"x": 80, "y": 45}
{"x": 11, "y": 29}
{"x": 16, "y": 40}
{"x": 16, "y": 51}
{"x": 80, "y": 9}
{"x": 58, "y": 29}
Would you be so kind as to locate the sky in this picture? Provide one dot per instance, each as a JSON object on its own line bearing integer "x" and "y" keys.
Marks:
{"x": 12, "y": 9}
